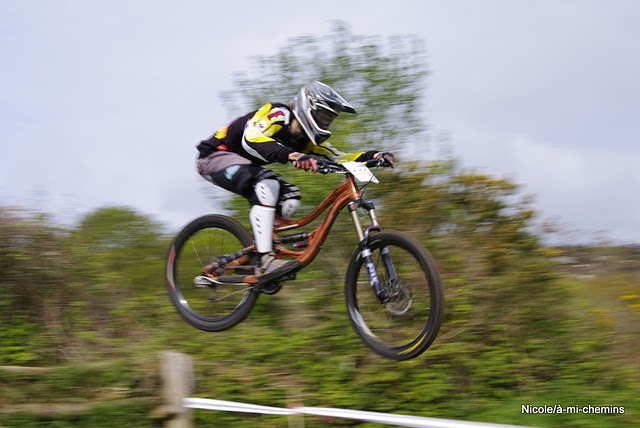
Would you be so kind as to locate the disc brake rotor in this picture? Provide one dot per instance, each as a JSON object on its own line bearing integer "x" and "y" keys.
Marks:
{"x": 400, "y": 298}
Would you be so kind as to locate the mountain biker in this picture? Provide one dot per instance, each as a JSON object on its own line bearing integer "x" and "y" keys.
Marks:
{"x": 234, "y": 156}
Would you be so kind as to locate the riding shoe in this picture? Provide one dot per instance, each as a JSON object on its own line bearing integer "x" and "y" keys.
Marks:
{"x": 269, "y": 264}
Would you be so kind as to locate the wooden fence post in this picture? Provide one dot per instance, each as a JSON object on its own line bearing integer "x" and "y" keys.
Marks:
{"x": 177, "y": 384}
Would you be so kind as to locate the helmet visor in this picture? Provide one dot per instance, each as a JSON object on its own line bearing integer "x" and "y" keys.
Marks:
{"x": 323, "y": 117}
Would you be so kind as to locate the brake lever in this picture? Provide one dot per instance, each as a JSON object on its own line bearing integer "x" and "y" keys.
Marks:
{"x": 374, "y": 163}
{"x": 327, "y": 166}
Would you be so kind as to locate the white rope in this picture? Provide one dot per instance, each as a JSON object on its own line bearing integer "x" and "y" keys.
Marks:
{"x": 383, "y": 418}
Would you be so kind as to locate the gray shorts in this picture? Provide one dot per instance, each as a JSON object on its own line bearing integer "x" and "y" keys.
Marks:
{"x": 236, "y": 174}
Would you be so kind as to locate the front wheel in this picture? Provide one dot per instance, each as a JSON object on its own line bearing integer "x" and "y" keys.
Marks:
{"x": 202, "y": 303}
{"x": 406, "y": 324}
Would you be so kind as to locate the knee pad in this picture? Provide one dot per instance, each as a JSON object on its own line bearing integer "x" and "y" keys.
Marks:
{"x": 288, "y": 207}
{"x": 268, "y": 192}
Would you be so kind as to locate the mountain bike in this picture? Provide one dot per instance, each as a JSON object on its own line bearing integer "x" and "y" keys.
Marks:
{"x": 392, "y": 287}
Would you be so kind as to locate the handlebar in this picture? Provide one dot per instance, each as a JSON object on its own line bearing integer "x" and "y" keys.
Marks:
{"x": 325, "y": 166}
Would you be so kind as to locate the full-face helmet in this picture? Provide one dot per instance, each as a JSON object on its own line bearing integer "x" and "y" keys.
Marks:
{"x": 315, "y": 106}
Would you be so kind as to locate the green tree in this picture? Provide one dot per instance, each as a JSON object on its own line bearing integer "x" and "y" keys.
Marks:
{"x": 383, "y": 79}
{"x": 33, "y": 264}
{"x": 74, "y": 291}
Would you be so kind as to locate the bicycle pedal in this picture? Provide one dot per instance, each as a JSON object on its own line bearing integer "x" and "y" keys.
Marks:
{"x": 202, "y": 281}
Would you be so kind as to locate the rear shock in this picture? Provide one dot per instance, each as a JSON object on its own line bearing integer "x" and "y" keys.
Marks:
{"x": 299, "y": 240}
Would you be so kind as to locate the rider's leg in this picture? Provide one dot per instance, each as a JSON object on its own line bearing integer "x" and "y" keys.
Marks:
{"x": 270, "y": 190}
{"x": 272, "y": 196}
{"x": 267, "y": 193}
{"x": 261, "y": 216}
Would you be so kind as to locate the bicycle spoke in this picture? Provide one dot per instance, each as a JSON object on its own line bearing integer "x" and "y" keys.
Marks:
{"x": 195, "y": 251}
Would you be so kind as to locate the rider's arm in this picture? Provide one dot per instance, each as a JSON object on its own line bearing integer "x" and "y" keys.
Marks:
{"x": 258, "y": 135}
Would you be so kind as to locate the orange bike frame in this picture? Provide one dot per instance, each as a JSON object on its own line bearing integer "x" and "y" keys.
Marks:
{"x": 345, "y": 193}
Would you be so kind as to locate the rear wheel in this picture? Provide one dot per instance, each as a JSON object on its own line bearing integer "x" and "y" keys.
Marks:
{"x": 407, "y": 323}
{"x": 201, "y": 302}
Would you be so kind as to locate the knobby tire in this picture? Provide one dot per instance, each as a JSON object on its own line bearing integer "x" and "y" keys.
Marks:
{"x": 404, "y": 328}
{"x": 195, "y": 246}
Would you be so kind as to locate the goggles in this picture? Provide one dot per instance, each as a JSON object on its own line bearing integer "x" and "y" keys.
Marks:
{"x": 323, "y": 117}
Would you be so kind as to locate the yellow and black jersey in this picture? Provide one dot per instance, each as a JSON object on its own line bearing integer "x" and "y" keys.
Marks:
{"x": 264, "y": 136}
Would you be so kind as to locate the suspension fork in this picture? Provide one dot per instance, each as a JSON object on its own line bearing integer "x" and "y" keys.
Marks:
{"x": 365, "y": 251}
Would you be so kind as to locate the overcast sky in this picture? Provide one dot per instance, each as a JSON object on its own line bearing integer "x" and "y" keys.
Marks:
{"x": 102, "y": 102}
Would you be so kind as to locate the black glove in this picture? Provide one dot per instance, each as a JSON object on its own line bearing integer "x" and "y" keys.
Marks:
{"x": 386, "y": 158}
{"x": 305, "y": 162}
